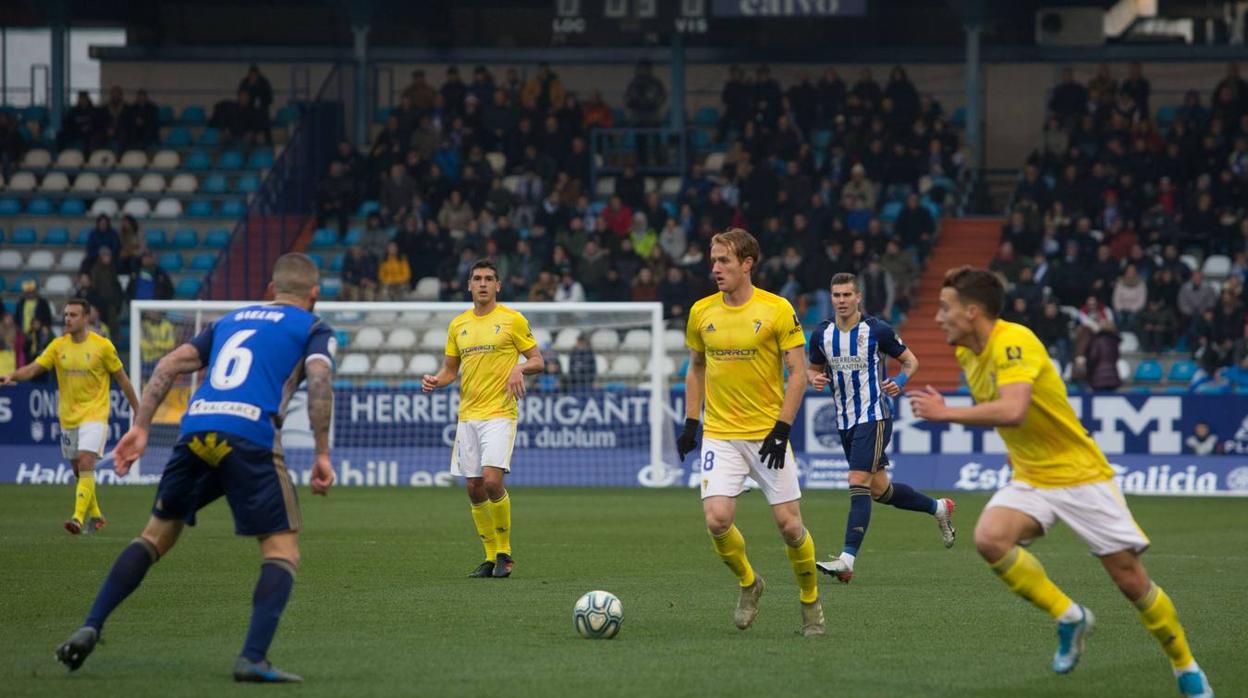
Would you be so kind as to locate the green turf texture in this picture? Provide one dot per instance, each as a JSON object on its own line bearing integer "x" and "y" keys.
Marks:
{"x": 381, "y": 605}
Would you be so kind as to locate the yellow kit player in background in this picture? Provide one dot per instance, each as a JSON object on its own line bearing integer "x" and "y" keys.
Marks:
{"x": 83, "y": 361}
{"x": 741, "y": 340}
{"x": 1059, "y": 474}
{"x": 487, "y": 341}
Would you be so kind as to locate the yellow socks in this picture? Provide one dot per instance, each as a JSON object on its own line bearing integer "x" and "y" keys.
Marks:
{"x": 84, "y": 495}
{"x": 1158, "y": 614}
{"x": 802, "y": 558}
{"x": 731, "y": 549}
{"x": 485, "y": 528}
{"x": 1024, "y": 575}
{"x": 501, "y": 513}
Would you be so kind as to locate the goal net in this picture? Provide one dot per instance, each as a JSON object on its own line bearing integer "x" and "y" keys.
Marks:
{"x": 601, "y": 414}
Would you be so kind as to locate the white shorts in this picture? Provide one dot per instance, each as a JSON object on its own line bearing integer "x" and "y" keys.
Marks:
{"x": 480, "y": 443}
{"x": 1096, "y": 512}
{"x": 727, "y": 463}
{"x": 88, "y": 436}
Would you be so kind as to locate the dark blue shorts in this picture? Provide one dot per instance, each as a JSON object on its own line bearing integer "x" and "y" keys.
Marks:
{"x": 866, "y": 445}
{"x": 253, "y": 479}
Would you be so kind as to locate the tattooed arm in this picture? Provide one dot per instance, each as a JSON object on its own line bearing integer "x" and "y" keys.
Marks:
{"x": 185, "y": 359}
{"x": 320, "y": 402}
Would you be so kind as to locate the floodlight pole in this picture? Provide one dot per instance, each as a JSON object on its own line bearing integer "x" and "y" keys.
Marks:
{"x": 58, "y": 27}
{"x": 974, "y": 140}
{"x": 359, "y": 29}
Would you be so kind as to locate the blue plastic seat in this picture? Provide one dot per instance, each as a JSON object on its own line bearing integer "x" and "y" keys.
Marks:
{"x": 35, "y": 113}
{"x": 170, "y": 261}
{"x": 73, "y": 207}
{"x": 821, "y": 138}
{"x": 706, "y": 116}
{"x": 213, "y": 184}
{"x": 194, "y": 115}
{"x": 56, "y": 236}
{"x": 40, "y": 207}
{"x": 197, "y": 161}
{"x": 25, "y": 236}
{"x": 155, "y": 238}
{"x": 343, "y": 337}
{"x": 376, "y": 383}
{"x": 317, "y": 259}
{"x": 959, "y": 117}
{"x": 233, "y": 208}
{"x": 217, "y": 238}
{"x": 381, "y": 115}
{"x": 331, "y": 288}
{"x": 185, "y": 238}
{"x": 209, "y": 137}
{"x": 1166, "y": 115}
{"x": 699, "y": 138}
{"x": 324, "y": 237}
{"x": 891, "y": 210}
{"x": 368, "y": 207}
{"x": 1148, "y": 371}
{"x": 354, "y": 235}
{"x": 261, "y": 159}
{"x": 164, "y": 114}
{"x": 188, "y": 288}
{"x": 1182, "y": 371}
{"x": 335, "y": 264}
{"x": 203, "y": 261}
{"x": 10, "y": 206}
{"x": 1213, "y": 388}
{"x": 344, "y": 384}
{"x": 230, "y": 160}
{"x": 199, "y": 209}
{"x": 286, "y": 116}
{"x": 83, "y": 235}
{"x": 178, "y": 137}
{"x": 247, "y": 184}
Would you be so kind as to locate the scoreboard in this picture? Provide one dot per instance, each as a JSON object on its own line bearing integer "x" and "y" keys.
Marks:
{"x": 598, "y": 21}
{"x": 653, "y": 21}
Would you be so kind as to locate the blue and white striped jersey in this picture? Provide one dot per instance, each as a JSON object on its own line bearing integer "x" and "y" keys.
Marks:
{"x": 855, "y": 362}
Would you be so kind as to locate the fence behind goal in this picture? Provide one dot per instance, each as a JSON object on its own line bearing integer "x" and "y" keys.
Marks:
{"x": 597, "y": 417}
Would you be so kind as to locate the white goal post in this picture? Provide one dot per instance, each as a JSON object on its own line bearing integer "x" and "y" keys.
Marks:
{"x": 603, "y": 417}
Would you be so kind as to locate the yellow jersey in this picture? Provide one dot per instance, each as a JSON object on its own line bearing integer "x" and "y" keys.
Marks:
{"x": 1050, "y": 448}
{"x": 488, "y": 347}
{"x": 83, "y": 373}
{"x": 743, "y": 346}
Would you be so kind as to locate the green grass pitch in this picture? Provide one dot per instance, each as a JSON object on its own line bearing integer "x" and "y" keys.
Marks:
{"x": 382, "y": 607}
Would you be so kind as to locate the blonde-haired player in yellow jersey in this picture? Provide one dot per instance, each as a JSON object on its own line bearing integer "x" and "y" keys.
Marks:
{"x": 741, "y": 340}
{"x": 487, "y": 342}
{"x": 84, "y": 362}
{"x": 1060, "y": 474}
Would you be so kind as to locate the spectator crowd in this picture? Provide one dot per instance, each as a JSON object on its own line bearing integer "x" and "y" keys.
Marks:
{"x": 1124, "y": 219}
{"x": 808, "y": 168}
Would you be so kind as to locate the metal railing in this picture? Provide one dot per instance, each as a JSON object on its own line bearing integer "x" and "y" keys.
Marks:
{"x": 279, "y": 211}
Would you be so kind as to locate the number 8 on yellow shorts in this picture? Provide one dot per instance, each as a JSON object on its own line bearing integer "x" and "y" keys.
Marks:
{"x": 727, "y": 463}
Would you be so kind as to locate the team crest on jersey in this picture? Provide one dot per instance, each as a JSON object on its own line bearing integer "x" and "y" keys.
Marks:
{"x": 464, "y": 333}
{"x": 497, "y": 329}
{"x": 710, "y": 327}
{"x": 758, "y": 325}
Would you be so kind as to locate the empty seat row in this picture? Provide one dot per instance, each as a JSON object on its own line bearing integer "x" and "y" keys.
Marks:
{"x": 73, "y": 159}
{"x": 41, "y": 260}
{"x": 155, "y": 238}
{"x": 390, "y": 364}
{"x": 168, "y": 208}
{"x": 121, "y": 183}
{"x": 668, "y": 187}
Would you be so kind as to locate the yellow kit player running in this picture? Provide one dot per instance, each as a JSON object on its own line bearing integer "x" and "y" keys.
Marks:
{"x": 741, "y": 340}
{"x": 1059, "y": 474}
{"x": 487, "y": 341}
{"x": 83, "y": 361}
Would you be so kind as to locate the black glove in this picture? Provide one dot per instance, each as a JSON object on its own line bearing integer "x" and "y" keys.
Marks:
{"x": 776, "y": 446}
{"x": 688, "y": 440}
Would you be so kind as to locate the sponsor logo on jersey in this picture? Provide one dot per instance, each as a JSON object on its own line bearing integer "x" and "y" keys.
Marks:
{"x": 758, "y": 325}
{"x": 732, "y": 354}
{"x": 232, "y": 409}
{"x": 478, "y": 349}
{"x": 710, "y": 327}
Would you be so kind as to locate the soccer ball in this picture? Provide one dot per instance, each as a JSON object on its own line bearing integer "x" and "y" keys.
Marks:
{"x": 597, "y": 615}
